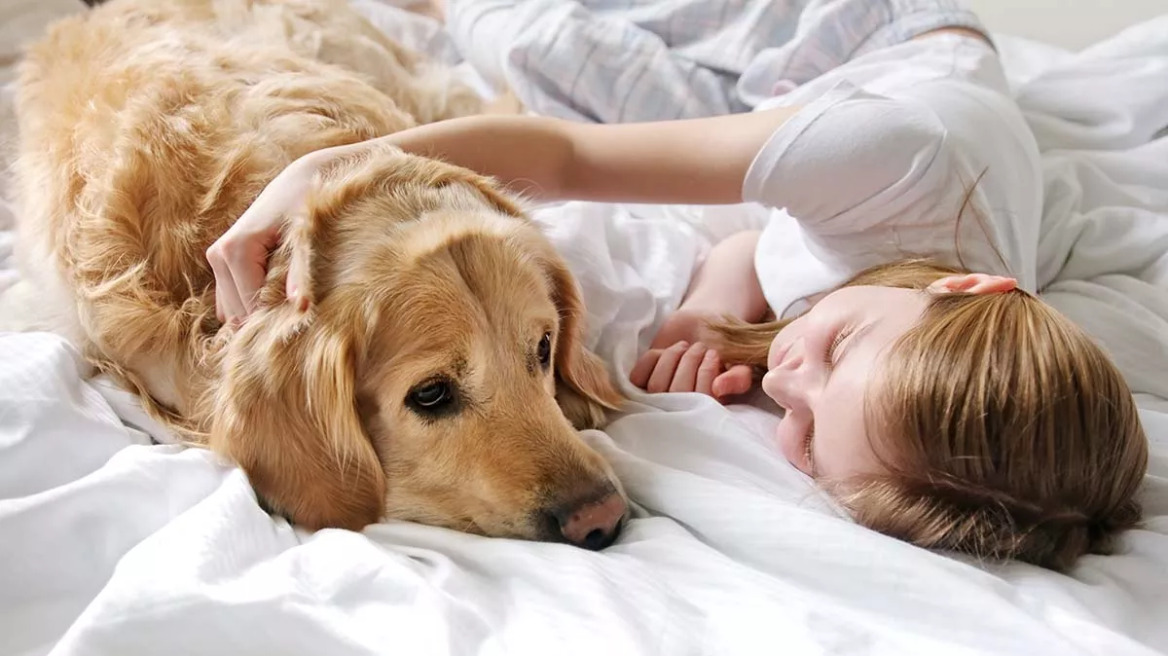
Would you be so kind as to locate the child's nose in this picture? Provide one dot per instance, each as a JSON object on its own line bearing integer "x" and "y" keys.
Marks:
{"x": 787, "y": 382}
{"x": 782, "y": 386}
{"x": 792, "y": 381}
{"x": 789, "y": 358}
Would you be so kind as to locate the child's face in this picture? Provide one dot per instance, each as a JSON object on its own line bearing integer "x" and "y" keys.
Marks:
{"x": 821, "y": 369}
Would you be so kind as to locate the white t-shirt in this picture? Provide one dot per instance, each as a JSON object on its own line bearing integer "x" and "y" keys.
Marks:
{"x": 876, "y": 164}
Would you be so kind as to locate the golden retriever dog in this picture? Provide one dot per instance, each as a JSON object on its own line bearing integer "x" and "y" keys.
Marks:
{"x": 439, "y": 374}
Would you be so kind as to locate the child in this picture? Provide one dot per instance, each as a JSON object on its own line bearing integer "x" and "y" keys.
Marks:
{"x": 922, "y": 382}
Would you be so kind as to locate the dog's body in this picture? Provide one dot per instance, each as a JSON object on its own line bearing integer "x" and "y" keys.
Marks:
{"x": 147, "y": 128}
{"x": 180, "y": 112}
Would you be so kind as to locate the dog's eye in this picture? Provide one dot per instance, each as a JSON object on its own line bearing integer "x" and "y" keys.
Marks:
{"x": 432, "y": 398}
{"x": 545, "y": 350}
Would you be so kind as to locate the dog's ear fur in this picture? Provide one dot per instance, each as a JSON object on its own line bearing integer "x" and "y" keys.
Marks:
{"x": 286, "y": 410}
{"x": 584, "y": 388}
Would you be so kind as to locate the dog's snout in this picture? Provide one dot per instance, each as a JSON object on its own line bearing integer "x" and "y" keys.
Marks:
{"x": 594, "y": 524}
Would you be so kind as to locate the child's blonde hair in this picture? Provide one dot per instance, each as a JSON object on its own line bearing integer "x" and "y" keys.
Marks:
{"x": 1010, "y": 433}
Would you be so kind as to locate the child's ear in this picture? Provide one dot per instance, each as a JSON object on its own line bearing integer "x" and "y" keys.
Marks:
{"x": 974, "y": 283}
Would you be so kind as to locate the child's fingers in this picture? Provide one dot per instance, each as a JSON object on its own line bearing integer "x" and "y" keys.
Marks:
{"x": 666, "y": 365}
{"x": 735, "y": 380}
{"x": 685, "y": 378}
{"x": 228, "y": 306}
{"x": 644, "y": 367}
{"x": 708, "y": 371}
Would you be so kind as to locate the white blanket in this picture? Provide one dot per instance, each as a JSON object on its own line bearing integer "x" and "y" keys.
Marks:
{"x": 110, "y": 544}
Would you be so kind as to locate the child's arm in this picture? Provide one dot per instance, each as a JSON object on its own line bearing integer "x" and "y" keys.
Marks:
{"x": 680, "y": 357}
{"x": 725, "y": 284}
{"x": 695, "y": 161}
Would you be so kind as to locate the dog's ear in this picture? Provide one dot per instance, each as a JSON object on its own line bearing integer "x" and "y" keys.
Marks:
{"x": 584, "y": 387}
{"x": 286, "y": 412}
{"x": 286, "y": 409}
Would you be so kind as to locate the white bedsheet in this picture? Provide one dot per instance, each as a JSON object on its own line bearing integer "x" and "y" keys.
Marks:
{"x": 112, "y": 545}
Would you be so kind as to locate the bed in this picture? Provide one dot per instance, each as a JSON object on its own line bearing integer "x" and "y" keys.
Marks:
{"x": 114, "y": 540}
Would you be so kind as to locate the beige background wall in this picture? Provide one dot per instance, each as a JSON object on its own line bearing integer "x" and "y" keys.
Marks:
{"x": 1068, "y": 23}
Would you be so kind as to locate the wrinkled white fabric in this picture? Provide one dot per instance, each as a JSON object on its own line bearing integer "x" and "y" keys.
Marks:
{"x": 112, "y": 545}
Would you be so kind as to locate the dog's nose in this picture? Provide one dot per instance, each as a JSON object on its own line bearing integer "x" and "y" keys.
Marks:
{"x": 593, "y": 525}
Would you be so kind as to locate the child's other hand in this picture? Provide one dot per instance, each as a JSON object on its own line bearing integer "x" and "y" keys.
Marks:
{"x": 684, "y": 325}
{"x": 685, "y": 367}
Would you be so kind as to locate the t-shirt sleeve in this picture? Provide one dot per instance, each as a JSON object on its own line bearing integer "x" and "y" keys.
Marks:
{"x": 937, "y": 165}
{"x": 851, "y": 161}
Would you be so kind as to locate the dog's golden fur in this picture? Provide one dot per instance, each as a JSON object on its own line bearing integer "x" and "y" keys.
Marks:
{"x": 147, "y": 127}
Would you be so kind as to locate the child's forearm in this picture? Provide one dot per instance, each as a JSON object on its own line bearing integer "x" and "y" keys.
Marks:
{"x": 698, "y": 161}
{"x": 727, "y": 283}
{"x": 527, "y": 154}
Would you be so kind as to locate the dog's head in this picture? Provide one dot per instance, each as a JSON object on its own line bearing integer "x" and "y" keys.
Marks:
{"x": 439, "y": 374}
